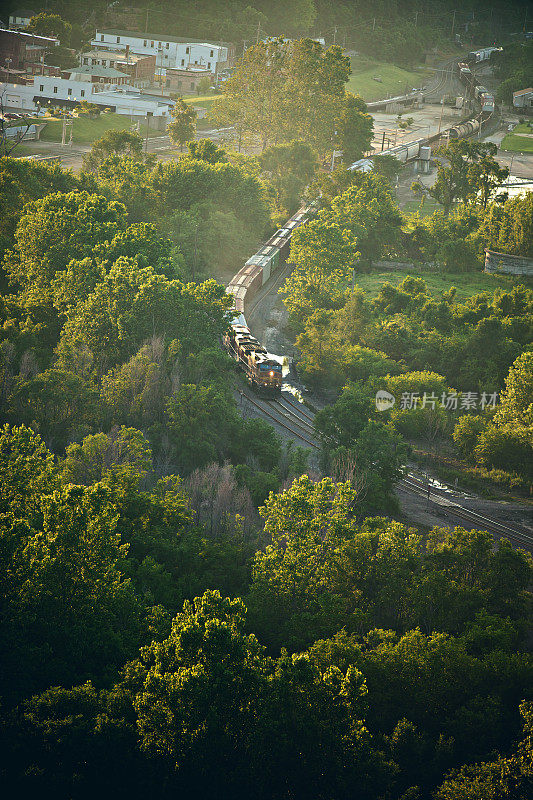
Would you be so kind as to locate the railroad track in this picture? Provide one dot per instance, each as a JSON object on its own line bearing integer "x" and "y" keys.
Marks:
{"x": 293, "y": 416}
{"x": 280, "y": 414}
{"x": 482, "y": 522}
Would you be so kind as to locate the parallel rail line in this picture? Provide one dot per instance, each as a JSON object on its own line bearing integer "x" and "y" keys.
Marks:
{"x": 490, "y": 524}
{"x": 280, "y": 422}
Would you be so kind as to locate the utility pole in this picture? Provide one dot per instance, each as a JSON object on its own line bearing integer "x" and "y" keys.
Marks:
{"x": 453, "y": 21}
{"x": 148, "y": 115}
{"x": 258, "y": 32}
{"x": 374, "y": 24}
{"x": 441, "y": 112}
{"x": 335, "y": 35}
{"x": 416, "y": 19}
{"x": 146, "y": 22}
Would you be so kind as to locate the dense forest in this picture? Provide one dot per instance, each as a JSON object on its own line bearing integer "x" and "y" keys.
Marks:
{"x": 400, "y": 31}
{"x": 188, "y": 607}
{"x": 357, "y": 655}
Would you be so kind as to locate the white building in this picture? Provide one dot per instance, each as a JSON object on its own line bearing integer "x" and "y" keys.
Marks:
{"x": 170, "y": 51}
{"x": 48, "y": 91}
{"x": 20, "y": 18}
{"x": 523, "y": 98}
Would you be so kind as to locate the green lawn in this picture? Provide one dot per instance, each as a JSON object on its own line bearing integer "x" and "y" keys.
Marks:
{"x": 85, "y": 130}
{"x": 466, "y": 284}
{"x": 205, "y": 100}
{"x": 394, "y": 80}
{"x": 515, "y": 143}
{"x": 429, "y": 206}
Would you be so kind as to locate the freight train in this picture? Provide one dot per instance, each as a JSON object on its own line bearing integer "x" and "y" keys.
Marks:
{"x": 262, "y": 370}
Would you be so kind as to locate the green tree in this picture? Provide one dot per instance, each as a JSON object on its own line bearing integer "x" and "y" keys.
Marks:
{"x": 53, "y": 231}
{"x": 57, "y": 403}
{"x": 204, "y": 84}
{"x": 289, "y": 168}
{"x": 280, "y": 91}
{"x": 506, "y": 776}
{"x": 123, "y": 448}
{"x": 206, "y": 150}
{"x": 509, "y": 227}
{"x": 298, "y": 591}
{"x": 27, "y": 470}
{"x": 113, "y": 142}
{"x": 367, "y": 209}
{"x": 357, "y": 128}
{"x": 183, "y": 126}
{"x": 517, "y": 400}
{"x": 466, "y": 170}
{"x": 202, "y": 424}
{"x": 45, "y": 24}
{"x": 67, "y": 609}
{"x": 322, "y": 253}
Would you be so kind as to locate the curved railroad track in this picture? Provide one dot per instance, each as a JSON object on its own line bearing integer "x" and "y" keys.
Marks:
{"x": 515, "y": 533}
{"x": 288, "y": 419}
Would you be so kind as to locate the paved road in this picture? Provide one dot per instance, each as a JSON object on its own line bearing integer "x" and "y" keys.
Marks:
{"x": 72, "y": 155}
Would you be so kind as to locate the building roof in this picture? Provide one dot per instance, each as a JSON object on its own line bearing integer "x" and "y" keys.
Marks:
{"x": 160, "y": 37}
{"x": 190, "y": 70}
{"x": 523, "y": 91}
{"x": 98, "y": 71}
{"x": 116, "y": 55}
{"x": 44, "y": 39}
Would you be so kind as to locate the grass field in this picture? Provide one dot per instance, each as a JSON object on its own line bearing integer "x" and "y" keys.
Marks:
{"x": 466, "y": 284}
{"x": 394, "y": 80}
{"x": 515, "y": 143}
{"x": 85, "y": 130}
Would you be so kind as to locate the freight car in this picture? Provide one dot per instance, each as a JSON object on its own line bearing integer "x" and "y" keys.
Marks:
{"x": 263, "y": 372}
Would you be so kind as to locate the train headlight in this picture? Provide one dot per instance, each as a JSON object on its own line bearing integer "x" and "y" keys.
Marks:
{"x": 271, "y": 373}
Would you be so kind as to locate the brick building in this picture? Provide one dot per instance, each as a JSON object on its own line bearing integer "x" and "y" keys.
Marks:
{"x": 186, "y": 80}
{"x": 18, "y": 48}
{"x": 140, "y": 68}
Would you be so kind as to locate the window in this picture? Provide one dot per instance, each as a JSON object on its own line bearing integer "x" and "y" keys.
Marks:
{"x": 82, "y": 92}
{"x": 212, "y": 53}
{"x": 208, "y": 65}
{"x": 102, "y": 38}
{"x": 182, "y": 62}
{"x": 55, "y": 89}
{"x": 166, "y": 45}
{"x": 118, "y": 39}
{"x": 187, "y": 49}
{"x": 85, "y": 60}
{"x": 151, "y": 44}
{"x": 104, "y": 62}
{"x": 69, "y": 91}
{"x": 41, "y": 88}
{"x": 145, "y": 42}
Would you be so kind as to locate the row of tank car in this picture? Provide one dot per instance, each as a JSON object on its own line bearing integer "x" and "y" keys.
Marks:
{"x": 478, "y": 91}
{"x": 262, "y": 372}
